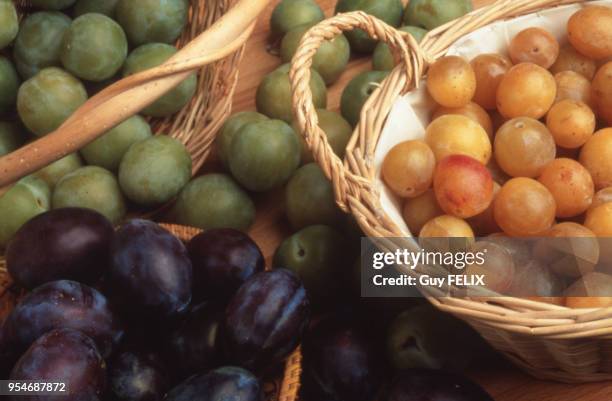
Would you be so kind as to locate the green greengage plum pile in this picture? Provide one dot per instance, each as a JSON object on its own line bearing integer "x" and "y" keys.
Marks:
{"x": 52, "y": 59}
{"x": 259, "y": 148}
{"x": 63, "y": 51}
{"x": 131, "y": 312}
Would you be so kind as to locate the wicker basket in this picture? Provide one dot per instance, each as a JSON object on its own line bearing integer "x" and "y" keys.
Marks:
{"x": 211, "y": 45}
{"x": 547, "y": 341}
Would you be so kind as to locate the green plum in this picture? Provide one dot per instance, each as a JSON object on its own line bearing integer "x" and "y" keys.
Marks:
{"x": 289, "y": 14}
{"x": 214, "y": 201}
{"x": 431, "y": 14}
{"x": 11, "y": 137}
{"x": 274, "y": 96}
{"x": 152, "y": 55}
{"x": 357, "y": 93}
{"x": 309, "y": 198}
{"x": 27, "y": 198}
{"x": 383, "y": 59}
{"x": 154, "y": 171}
{"x": 231, "y": 127}
{"x": 9, "y": 23}
{"x": 418, "y": 338}
{"x": 94, "y": 47}
{"x": 106, "y": 7}
{"x": 9, "y": 85}
{"x": 390, "y": 11}
{"x": 47, "y": 99}
{"x": 91, "y": 187}
{"x": 108, "y": 150}
{"x": 52, "y": 4}
{"x": 317, "y": 255}
{"x": 329, "y": 61}
{"x": 337, "y": 130}
{"x": 58, "y": 169}
{"x": 39, "y": 42}
{"x": 263, "y": 155}
{"x": 148, "y": 21}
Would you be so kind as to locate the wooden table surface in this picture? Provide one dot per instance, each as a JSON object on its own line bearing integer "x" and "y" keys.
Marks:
{"x": 504, "y": 383}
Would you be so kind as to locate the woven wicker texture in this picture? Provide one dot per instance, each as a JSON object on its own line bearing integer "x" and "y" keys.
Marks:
{"x": 291, "y": 381}
{"x": 547, "y": 341}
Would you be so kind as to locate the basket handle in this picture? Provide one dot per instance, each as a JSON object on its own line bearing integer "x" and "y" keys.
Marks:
{"x": 347, "y": 184}
{"x": 130, "y": 95}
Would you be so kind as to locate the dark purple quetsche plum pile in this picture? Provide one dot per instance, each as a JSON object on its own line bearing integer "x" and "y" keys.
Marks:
{"x": 136, "y": 314}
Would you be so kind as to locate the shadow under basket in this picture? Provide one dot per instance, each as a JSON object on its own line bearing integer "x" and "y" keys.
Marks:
{"x": 547, "y": 341}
